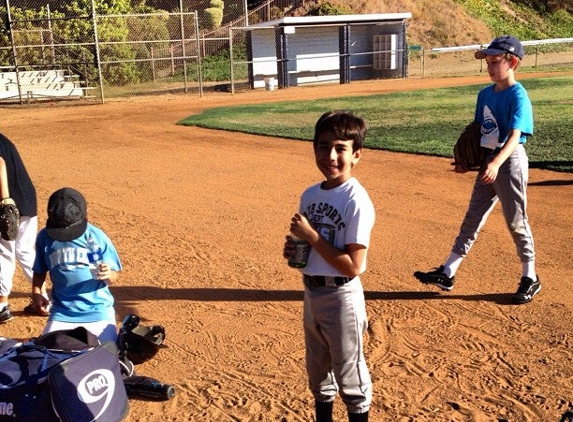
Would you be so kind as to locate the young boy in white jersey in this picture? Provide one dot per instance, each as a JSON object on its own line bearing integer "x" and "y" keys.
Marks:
{"x": 335, "y": 217}
{"x": 505, "y": 114}
{"x": 80, "y": 293}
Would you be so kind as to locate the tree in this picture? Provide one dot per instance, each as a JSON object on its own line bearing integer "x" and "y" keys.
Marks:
{"x": 110, "y": 29}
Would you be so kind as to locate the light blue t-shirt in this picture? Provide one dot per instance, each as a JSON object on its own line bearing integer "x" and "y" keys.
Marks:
{"x": 76, "y": 296}
{"x": 499, "y": 112}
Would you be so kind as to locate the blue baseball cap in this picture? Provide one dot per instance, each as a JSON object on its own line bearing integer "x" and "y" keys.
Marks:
{"x": 502, "y": 45}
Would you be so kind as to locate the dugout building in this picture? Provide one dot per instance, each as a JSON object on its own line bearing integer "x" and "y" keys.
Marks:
{"x": 294, "y": 51}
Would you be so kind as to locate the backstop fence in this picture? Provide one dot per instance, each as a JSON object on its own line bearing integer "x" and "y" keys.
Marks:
{"x": 60, "y": 50}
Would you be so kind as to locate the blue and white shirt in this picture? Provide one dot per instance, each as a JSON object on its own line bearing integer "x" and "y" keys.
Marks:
{"x": 76, "y": 296}
{"x": 499, "y": 112}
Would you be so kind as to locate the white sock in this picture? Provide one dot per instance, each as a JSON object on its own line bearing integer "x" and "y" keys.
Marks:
{"x": 452, "y": 264}
{"x": 528, "y": 270}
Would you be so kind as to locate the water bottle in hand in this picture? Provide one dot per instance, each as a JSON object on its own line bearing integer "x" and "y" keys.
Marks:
{"x": 94, "y": 257}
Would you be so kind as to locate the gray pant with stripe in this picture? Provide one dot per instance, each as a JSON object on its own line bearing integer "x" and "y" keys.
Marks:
{"x": 510, "y": 188}
{"x": 334, "y": 325}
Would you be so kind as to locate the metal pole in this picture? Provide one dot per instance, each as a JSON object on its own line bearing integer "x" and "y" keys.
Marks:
{"x": 182, "y": 23}
{"x": 51, "y": 35}
{"x": 199, "y": 70}
{"x": 245, "y": 5}
{"x": 97, "y": 57}
{"x": 422, "y": 64}
{"x": 11, "y": 35}
{"x": 231, "y": 60}
{"x": 152, "y": 63}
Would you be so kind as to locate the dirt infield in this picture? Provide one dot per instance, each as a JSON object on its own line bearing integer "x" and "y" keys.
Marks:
{"x": 199, "y": 218}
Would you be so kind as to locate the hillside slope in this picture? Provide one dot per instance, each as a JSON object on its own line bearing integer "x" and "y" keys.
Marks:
{"x": 456, "y": 22}
{"x": 443, "y": 23}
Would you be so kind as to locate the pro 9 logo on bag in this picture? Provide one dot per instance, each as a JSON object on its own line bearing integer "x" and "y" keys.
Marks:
{"x": 98, "y": 385}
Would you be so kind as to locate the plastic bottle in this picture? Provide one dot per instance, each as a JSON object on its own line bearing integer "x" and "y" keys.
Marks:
{"x": 94, "y": 256}
{"x": 302, "y": 249}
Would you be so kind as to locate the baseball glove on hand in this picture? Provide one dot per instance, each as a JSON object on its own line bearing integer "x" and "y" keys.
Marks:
{"x": 9, "y": 219}
{"x": 468, "y": 153}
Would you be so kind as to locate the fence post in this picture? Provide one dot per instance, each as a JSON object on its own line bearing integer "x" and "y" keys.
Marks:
{"x": 183, "y": 52}
{"x": 198, "y": 47}
{"x": 344, "y": 58}
{"x": 232, "y": 72}
{"x": 14, "y": 55}
{"x": 422, "y": 62}
{"x": 51, "y": 32}
{"x": 152, "y": 63}
{"x": 97, "y": 57}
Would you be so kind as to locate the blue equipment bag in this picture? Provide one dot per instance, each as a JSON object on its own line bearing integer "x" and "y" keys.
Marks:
{"x": 36, "y": 383}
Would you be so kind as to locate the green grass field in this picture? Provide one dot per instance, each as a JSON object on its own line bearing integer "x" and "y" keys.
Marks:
{"x": 420, "y": 122}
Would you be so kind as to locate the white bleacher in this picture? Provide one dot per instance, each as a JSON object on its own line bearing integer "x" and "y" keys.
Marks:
{"x": 40, "y": 84}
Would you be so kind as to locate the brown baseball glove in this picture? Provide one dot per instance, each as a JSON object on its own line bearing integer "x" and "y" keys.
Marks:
{"x": 9, "y": 219}
{"x": 468, "y": 154}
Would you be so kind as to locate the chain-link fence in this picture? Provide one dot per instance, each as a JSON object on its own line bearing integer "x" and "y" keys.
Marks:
{"x": 460, "y": 61}
{"x": 62, "y": 50}
{"x": 35, "y": 58}
{"x": 159, "y": 54}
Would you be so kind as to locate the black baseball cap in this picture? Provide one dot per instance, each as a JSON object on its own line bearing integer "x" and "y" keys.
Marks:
{"x": 501, "y": 45}
{"x": 67, "y": 215}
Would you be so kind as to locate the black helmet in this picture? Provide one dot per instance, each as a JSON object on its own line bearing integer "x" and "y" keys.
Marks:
{"x": 139, "y": 343}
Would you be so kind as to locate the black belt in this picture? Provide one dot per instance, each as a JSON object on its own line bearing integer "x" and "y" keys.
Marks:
{"x": 323, "y": 281}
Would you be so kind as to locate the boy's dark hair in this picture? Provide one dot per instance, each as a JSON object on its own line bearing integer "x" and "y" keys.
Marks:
{"x": 345, "y": 125}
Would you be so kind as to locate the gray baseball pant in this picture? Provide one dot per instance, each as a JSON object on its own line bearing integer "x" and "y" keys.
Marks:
{"x": 510, "y": 188}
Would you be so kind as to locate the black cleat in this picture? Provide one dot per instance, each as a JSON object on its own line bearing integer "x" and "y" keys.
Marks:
{"x": 527, "y": 289}
{"x": 436, "y": 278}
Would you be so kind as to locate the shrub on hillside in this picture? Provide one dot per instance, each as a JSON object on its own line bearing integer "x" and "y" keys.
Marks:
{"x": 213, "y": 17}
{"x": 324, "y": 8}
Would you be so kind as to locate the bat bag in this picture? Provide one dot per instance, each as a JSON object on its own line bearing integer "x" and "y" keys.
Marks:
{"x": 36, "y": 384}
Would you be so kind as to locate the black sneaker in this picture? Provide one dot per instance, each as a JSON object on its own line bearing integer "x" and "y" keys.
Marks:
{"x": 437, "y": 278}
{"x": 527, "y": 289}
{"x": 6, "y": 315}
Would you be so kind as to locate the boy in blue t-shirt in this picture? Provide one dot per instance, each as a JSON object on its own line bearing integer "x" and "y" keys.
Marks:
{"x": 80, "y": 294}
{"x": 505, "y": 114}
